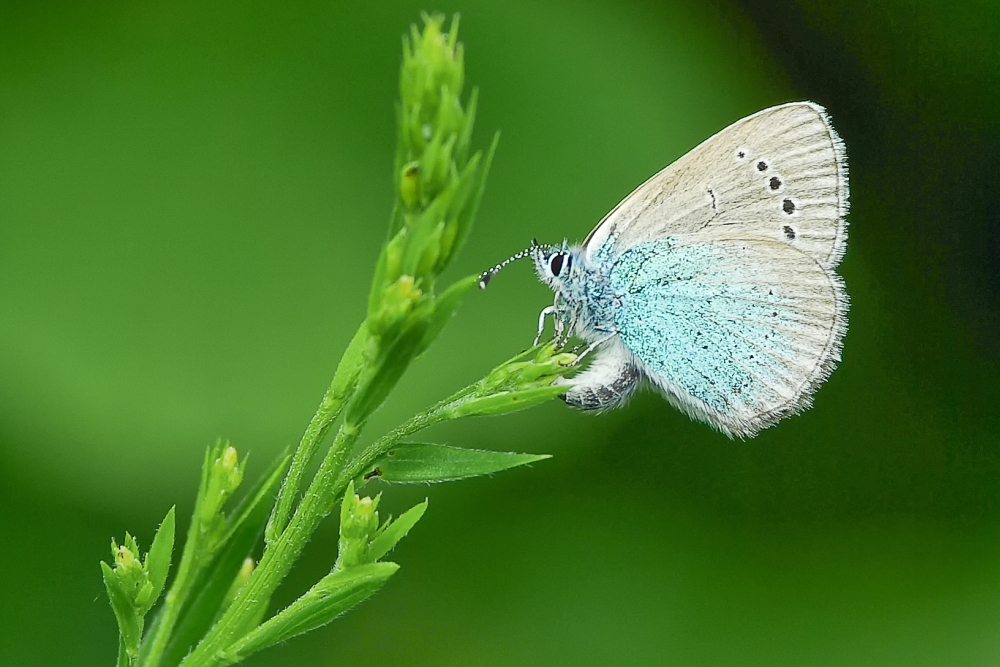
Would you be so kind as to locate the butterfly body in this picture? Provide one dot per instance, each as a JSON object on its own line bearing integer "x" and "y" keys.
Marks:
{"x": 715, "y": 280}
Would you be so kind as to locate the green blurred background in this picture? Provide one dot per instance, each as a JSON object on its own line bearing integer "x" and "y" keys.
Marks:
{"x": 192, "y": 195}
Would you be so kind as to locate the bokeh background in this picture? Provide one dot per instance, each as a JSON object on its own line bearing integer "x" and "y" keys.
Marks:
{"x": 192, "y": 196}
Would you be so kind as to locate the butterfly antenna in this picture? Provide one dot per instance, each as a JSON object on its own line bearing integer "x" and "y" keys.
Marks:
{"x": 486, "y": 276}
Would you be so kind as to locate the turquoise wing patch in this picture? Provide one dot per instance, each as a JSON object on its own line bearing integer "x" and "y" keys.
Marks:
{"x": 738, "y": 332}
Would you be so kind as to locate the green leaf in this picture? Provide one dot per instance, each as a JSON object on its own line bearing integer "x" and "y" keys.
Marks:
{"x": 445, "y": 307}
{"x": 123, "y": 659}
{"x": 158, "y": 559}
{"x": 387, "y": 270}
{"x": 374, "y": 389}
{"x": 465, "y": 137}
{"x": 412, "y": 462}
{"x": 430, "y": 252}
{"x": 212, "y": 584}
{"x": 129, "y": 621}
{"x": 468, "y": 213}
{"x": 257, "y": 500}
{"x": 332, "y": 596}
{"x": 131, "y": 544}
{"x": 422, "y": 230}
{"x": 395, "y": 531}
{"x": 349, "y": 368}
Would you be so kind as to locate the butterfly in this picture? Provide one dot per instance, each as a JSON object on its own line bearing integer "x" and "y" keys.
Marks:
{"x": 715, "y": 280}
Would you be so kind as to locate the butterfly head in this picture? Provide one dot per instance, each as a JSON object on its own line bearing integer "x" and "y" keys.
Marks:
{"x": 554, "y": 264}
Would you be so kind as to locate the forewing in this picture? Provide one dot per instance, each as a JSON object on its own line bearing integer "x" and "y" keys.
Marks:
{"x": 738, "y": 333}
{"x": 779, "y": 174}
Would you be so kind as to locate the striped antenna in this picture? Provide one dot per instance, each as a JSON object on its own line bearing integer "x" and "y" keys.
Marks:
{"x": 486, "y": 276}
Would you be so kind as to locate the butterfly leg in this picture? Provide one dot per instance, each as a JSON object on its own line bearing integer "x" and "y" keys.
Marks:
{"x": 551, "y": 310}
{"x": 610, "y": 380}
{"x": 580, "y": 356}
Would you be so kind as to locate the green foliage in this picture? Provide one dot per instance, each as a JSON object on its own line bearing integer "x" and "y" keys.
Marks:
{"x": 220, "y": 479}
{"x": 393, "y": 531}
{"x": 134, "y": 584}
{"x": 214, "y": 612}
{"x": 217, "y": 580}
{"x": 358, "y": 525}
{"x": 413, "y": 462}
{"x": 362, "y": 539}
{"x": 344, "y": 382}
{"x": 333, "y": 595}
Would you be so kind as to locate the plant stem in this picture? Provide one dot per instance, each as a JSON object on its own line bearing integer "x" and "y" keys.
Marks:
{"x": 340, "y": 389}
{"x": 328, "y": 411}
{"x": 123, "y": 659}
{"x": 318, "y": 501}
{"x": 436, "y": 414}
{"x": 181, "y": 587}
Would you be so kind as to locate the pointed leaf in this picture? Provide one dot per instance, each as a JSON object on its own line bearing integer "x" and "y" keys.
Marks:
{"x": 158, "y": 559}
{"x": 469, "y": 211}
{"x": 332, "y": 596}
{"x": 378, "y": 281}
{"x": 395, "y": 531}
{"x": 422, "y": 229}
{"x": 445, "y": 307}
{"x": 468, "y": 181}
{"x": 131, "y": 544}
{"x": 412, "y": 462}
{"x": 465, "y": 137}
{"x": 129, "y": 622}
{"x": 374, "y": 389}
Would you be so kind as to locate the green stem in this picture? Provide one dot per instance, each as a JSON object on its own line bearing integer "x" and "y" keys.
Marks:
{"x": 318, "y": 501}
{"x": 123, "y": 659}
{"x": 336, "y": 396}
{"x": 328, "y": 411}
{"x": 191, "y": 560}
{"x": 439, "y": 412}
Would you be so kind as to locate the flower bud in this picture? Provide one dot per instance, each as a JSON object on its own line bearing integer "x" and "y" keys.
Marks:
{"x": 438, "y": 183}
{"x": 358, "y": 527}
{"x": 409, "y": 185}
{"x": 522, "y": 382}
{"x": 130, "y": 571}
{"x": 432, "y": 69}
{"x": 241, "y": 578}
{"x": 529, "y": 372}
{"x": 224, "y": 477}
{"x": 399, "y": 300}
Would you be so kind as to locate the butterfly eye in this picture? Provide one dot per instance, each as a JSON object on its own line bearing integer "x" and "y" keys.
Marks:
{"x": 556, "y": 263}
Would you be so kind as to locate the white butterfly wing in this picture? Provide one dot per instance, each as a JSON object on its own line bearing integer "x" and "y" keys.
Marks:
{"x": 780, "y": 174}
{"x": 738, "y": 333}
{"x": 741, "y": 314}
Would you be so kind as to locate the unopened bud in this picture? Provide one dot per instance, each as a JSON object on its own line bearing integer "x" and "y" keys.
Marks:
{"x": 358, "y": 526}
{"x": 409, "y": 185}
